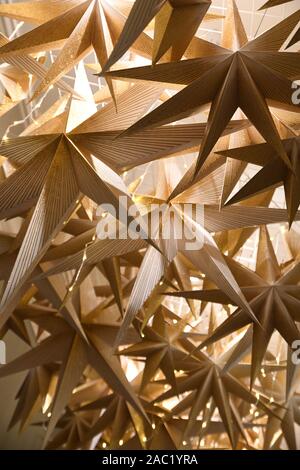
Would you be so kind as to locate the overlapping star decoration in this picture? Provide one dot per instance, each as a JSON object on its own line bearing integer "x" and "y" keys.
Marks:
{"x": 147, "y": 342}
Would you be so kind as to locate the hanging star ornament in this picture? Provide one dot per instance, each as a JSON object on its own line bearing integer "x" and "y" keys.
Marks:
{"x": 273, "y": 296}
{"x": 56, "y": 174}
{"x": 273, "y": 173}
{"x": 155, "y": 288}
{"x": 74, "y": 353}
{"x": 206, "y": 256}
{"x": 250, "y": 76}
{"x": 75, "y": 26}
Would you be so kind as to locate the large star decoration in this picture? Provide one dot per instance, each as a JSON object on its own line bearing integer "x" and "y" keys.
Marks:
{"x": 76, "y": 25}
{"x": 74, "y": 352}
{"x": 142, "y": 340}
{"x": 247, "y": 77}
{"x": 273, "y": 297}
{"x": 56, "y": 174}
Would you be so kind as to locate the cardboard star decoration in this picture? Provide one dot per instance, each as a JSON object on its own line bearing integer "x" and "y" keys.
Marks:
{"x": 149, "y": 231}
